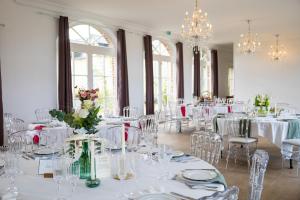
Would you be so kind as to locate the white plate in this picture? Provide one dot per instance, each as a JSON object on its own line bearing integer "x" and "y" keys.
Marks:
{"x": 2, "y": 162}
{"x": 45, "y": 151}
{"x": 177, "y": 153}
{"x": 157, "y": 197}
{"x": 199, "y": 175}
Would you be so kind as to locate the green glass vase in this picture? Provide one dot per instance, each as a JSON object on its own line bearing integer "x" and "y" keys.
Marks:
{"x": 84, "y": 161}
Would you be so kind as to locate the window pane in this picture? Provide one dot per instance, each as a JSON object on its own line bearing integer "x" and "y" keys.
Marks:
{"x": 81, "y": 81}
{"x": 155, "y": 69}
{"x": 97, "y": 39}
{"x": 79, "y": 63}
{"x": 98, "y": 82}
{"x": 82, "y": 31}
{"x": 109, "y": 66}
{"x": 98, "y": 65}
{"x": 166, "y": 70}
{"x": 75, "y": 38}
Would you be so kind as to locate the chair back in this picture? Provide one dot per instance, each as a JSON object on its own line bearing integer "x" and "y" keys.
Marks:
{"x": 13, "y": 124}
{"x": 209, "y": 146}
{"x": 42, "y": 115}
{"x": 130, "y": 112}
{"x": 231, "y": 193}
{"x": 259, "y": 165}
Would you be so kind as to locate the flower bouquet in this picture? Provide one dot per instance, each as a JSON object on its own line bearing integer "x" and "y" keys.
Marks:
{"x": 84, "y": 121}
{"x": 262, "y": 102}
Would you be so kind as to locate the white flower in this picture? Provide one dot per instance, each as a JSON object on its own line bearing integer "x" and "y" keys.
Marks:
{"x": 97, "y": 102}
{"x": 83, "y": 113}
{"x": 88, "y": 104}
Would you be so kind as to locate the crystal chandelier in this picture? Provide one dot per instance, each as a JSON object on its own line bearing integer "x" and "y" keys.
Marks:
{"x": 277, "y": 51}
{"x": 196, "y": 29}
{"x": 248, "y": 43}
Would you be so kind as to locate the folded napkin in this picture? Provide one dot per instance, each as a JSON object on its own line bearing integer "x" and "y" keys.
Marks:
{"x": 183, "y": 110}
{"x": 183, "y": 158}
{"x": 294, "y": 129}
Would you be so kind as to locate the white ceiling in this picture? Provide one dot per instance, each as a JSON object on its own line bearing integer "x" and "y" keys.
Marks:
{"x": 227, "y": 16}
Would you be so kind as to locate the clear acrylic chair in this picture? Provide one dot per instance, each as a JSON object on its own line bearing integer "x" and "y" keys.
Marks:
{"x": 259, "y": 165}
{"x": 13, "y": 124}
{"x": 231, "y": 193}
{"x": 42, "y": 115}
{"x": 239, "y": 141}
{"x": 208, "y": 147}
{"x": 130, "y": 112}
{"x": 149, "y": 128}
{"x": 290, "y": 149}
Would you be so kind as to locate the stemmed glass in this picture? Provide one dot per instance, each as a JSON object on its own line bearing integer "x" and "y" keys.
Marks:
{"x": 164, "y": 158}
{"x": 11, "y": 171}
{"x": 73, "y": 173}
{"x": 59, "y": 175}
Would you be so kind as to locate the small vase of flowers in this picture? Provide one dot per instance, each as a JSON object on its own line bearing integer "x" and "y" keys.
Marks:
{"x": 262, "y": 102}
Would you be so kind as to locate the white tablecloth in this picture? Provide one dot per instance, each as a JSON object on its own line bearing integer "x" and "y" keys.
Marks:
{"x": 275, "y": 131}
{"x": 34, "y": 187}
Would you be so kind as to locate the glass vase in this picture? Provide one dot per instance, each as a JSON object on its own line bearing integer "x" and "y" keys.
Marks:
{"x": 84, "y": 161}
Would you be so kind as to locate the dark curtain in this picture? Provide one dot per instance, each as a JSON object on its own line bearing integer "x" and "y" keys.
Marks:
{"x": 1, "y": 112}
{"x": 180, "y": 73}
{"x": 122, "y": 72}
{"x": 214, "y": 72}
{"x": 149, "y": 74}
{"x": 65, "y": 100}
{"x": 197, "y": 92}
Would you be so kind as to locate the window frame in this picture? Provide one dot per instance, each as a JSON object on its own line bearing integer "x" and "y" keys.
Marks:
{"x": 90, "y": 50}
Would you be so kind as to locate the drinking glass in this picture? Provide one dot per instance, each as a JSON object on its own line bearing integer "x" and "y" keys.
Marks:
{"x": 11, "y": 172}
{"x": 59, "y": 175}
{"x": 164, "y": 158}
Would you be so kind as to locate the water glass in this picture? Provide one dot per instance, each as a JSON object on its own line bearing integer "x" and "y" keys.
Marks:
{"x": 59, "y": 175}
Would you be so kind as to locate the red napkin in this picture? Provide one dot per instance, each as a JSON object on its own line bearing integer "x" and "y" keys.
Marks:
{"x": 127, "y": 125}
{"x": 36, "y": 139}
{"x": 183, "y": 110}
{"x": 229, "y": 109}
{"x": 39, "y": 127}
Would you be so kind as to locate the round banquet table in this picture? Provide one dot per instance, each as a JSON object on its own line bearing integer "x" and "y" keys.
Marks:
{"x": 34, "y": 187}
{"x": 272, "y": 129}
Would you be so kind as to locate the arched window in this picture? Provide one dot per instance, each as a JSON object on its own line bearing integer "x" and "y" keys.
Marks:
{"x": 163, "y": 74}
{"x": 93, "y": 63}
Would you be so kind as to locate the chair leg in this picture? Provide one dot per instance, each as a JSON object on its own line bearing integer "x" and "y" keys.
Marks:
{"x": 248, "y": 155}
{"x": 228, "y": 155}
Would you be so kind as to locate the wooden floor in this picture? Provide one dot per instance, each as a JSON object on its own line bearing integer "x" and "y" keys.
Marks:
{"x": 279, "y": 184}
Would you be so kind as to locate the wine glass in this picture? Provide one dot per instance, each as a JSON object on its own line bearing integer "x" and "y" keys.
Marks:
{"x": 11, "y": 172}
{"x": 164, "y": 158}
{"x": 59, "y": 175}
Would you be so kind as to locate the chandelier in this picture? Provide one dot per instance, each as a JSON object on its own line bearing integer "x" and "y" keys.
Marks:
{"x": 277, "y": 51}
{"x": 196, "y": 29}
{"x": 248, "y": 43}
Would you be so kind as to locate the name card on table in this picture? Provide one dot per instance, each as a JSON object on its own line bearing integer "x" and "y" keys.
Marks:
{"x": 103, "y": 166}
{"x": 45, "y": 166}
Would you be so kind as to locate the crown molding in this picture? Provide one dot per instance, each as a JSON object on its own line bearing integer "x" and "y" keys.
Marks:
{"x": 45, "y": 7}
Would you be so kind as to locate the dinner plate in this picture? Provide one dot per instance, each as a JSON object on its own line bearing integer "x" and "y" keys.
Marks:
{"x": 2, "y": 162}
{"x": 199, "y": 175}
{"x": 177, "y": 153}
{"x": 45, "y": 151}
{"x": 160, "y": 196}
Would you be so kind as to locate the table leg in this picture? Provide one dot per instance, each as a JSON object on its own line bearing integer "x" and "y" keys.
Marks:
{"x": 291, "y": 164}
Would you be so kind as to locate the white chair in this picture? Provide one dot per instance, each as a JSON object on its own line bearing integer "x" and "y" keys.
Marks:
{"x": 259, "y": 165}
{"x": 130, "y": 112}
{"x": 238, "y": 140}
{"x": 42, "y": 115}
{"x": 290, "y": 149}
{"x": 208, "y": 147}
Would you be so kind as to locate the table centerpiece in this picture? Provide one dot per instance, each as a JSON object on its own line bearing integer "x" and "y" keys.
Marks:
{"x": 262, "y": 104}
{"x": 84, "y": 120}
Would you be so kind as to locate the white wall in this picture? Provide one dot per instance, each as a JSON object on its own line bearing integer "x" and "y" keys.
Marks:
{"x": 258, "y": 74}
{"x": 28, "y": 53}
